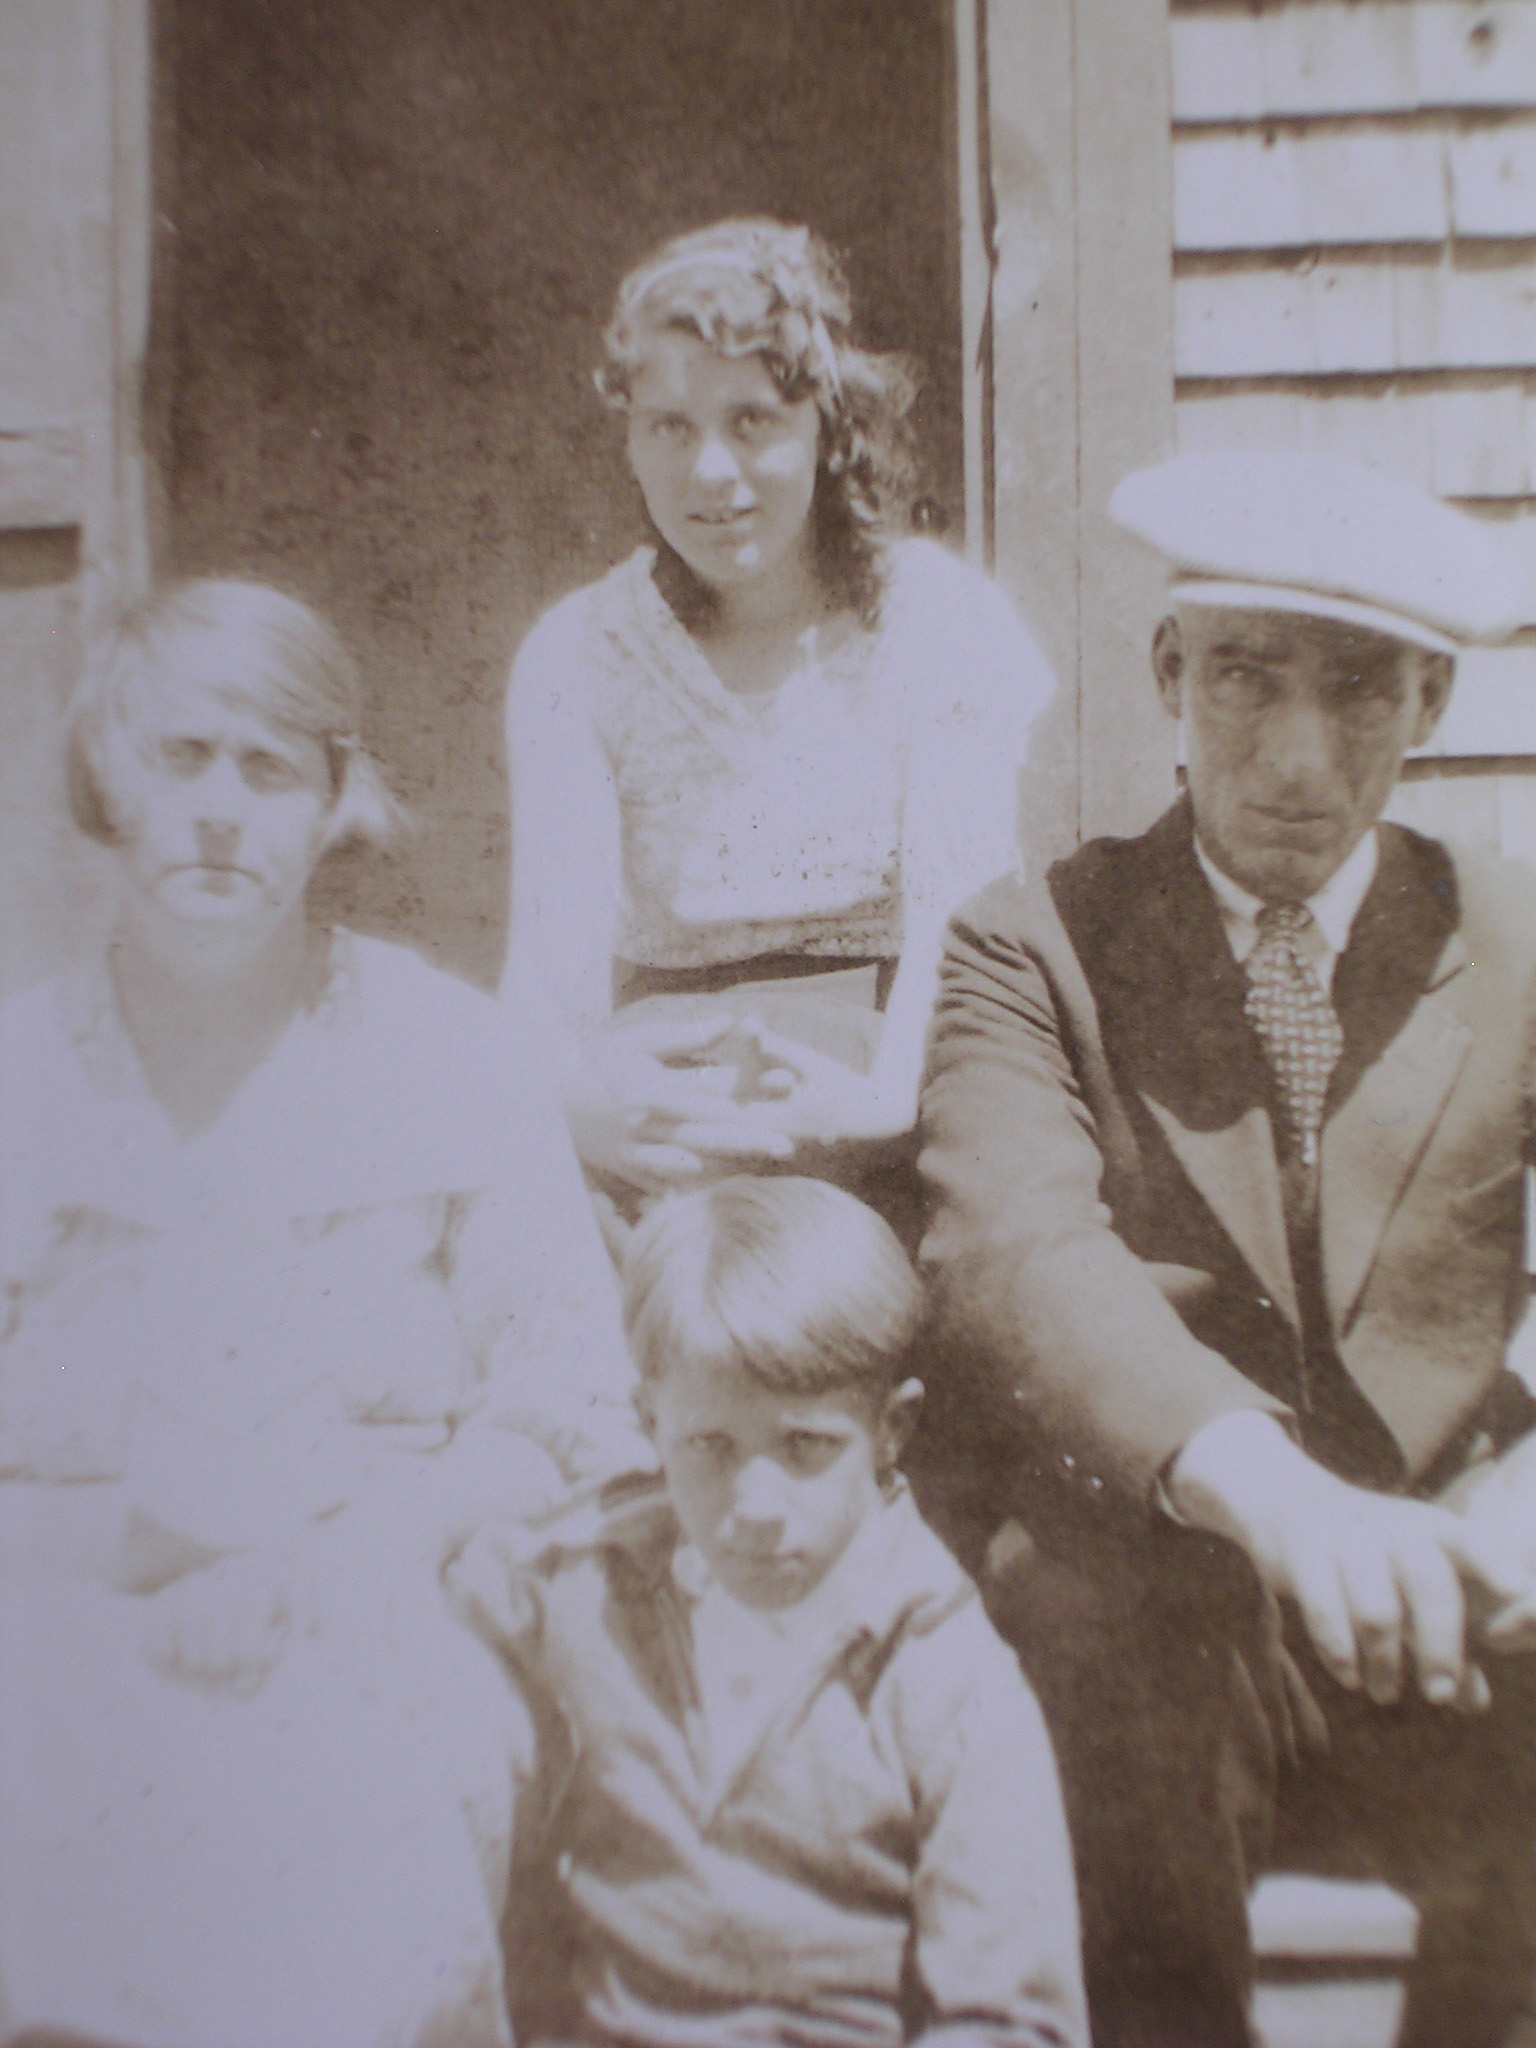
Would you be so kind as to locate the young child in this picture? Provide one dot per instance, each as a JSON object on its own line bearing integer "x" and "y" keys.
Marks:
{"x": 794, "y": 1788}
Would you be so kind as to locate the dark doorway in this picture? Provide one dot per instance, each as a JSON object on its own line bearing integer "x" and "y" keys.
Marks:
{"x": 390, "y": 233}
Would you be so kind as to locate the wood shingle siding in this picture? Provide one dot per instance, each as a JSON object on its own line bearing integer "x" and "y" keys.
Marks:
{"x": 1263, "y": 188}
{"x": 1343, "y": 185}
{"x": 1441, "y": 310}
{"x": 1243, "y": 62}
{"x": 1467, "y": 437}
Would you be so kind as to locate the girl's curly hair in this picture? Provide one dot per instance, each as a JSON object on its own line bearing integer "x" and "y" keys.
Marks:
{"x": 756, "y": 287}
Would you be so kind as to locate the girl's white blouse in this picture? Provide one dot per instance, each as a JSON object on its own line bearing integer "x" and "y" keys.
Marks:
{"x": 869, "y": 785}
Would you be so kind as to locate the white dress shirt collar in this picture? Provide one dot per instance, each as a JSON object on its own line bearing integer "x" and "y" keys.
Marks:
{"x": 1334, "y": 908}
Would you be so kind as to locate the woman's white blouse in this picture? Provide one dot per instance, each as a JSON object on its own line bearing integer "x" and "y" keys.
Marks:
{"x": 878, "y": 780}
{"x": 381, "y": 1235}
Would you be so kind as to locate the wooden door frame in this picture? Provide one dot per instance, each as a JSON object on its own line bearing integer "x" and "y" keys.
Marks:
{"x": 1067, "y": 295}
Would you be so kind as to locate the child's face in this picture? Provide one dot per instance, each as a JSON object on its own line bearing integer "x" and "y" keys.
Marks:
{"x": 725, "y": 463}
{"x": 771, "y": 1488}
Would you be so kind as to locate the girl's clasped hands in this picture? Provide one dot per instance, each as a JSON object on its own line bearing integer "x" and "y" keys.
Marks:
{"x": 665, "y": 1103}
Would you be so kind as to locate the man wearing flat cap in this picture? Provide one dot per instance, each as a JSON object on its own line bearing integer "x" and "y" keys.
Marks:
{"x": 1225, "y": 1129}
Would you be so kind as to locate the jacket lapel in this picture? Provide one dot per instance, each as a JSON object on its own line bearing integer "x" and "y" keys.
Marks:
{"x": 1397, "y": 994}
{"x": 1171, "y": 996}
{"x": 1235, "y": 1171}
{"x": 1172, "y": 1005}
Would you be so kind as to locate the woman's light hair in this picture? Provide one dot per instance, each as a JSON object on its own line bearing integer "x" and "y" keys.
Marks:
{"x": 793, "y": 1281}
{"x": 254, "y": 648}
{"x": 757, "y": 287}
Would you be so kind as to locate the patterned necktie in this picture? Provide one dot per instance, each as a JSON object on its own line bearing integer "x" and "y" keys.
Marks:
{"x": 1289, "y": 1008}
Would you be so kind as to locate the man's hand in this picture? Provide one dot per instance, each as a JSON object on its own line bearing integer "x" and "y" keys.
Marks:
{"x": 1382, "y": 1583}
{"x": 1499, "y": 1503}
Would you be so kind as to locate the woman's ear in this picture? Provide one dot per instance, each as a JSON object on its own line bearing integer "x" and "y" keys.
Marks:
{"x": 362, "y": 807}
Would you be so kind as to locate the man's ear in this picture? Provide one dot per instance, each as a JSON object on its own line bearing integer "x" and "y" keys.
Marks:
{"x": 898, "y": 1419}
{"x": 1168, "y": 663}
{"x": 1437, "y": 672}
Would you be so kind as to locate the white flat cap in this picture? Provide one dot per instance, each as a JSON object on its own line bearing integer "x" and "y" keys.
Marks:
{"x": 1283, "y": 530}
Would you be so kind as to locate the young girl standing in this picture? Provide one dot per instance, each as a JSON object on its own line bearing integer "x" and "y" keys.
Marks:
{"x": 757, "y": 766}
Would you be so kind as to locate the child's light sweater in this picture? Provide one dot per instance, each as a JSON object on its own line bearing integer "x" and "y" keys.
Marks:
{"x": 866, "y": 1845}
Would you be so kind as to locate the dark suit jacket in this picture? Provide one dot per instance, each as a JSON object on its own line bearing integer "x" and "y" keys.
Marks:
{"x": 1097, "y": 1130}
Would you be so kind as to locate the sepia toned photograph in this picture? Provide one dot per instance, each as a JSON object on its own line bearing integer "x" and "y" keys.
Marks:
{"x": 767, "y": 1023}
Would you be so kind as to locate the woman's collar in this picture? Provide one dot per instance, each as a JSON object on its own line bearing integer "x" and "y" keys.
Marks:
{"x": 93, "y": 1022}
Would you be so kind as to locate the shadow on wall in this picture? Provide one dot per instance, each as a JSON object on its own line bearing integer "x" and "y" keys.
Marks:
{"x": 390, "y": 232}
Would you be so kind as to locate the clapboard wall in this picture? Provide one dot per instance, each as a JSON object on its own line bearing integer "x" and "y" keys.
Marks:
{"x": 1354, "y": 228}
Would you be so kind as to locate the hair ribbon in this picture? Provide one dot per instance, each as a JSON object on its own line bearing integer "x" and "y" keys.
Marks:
{"x": 819, "y": 337}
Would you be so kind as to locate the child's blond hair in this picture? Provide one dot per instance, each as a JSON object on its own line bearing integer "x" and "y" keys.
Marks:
{"x": 792, "y": 1280}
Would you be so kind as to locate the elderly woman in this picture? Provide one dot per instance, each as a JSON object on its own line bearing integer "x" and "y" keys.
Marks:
{"x": 300, "y": 1281}
{"x": 756, "y": 767}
